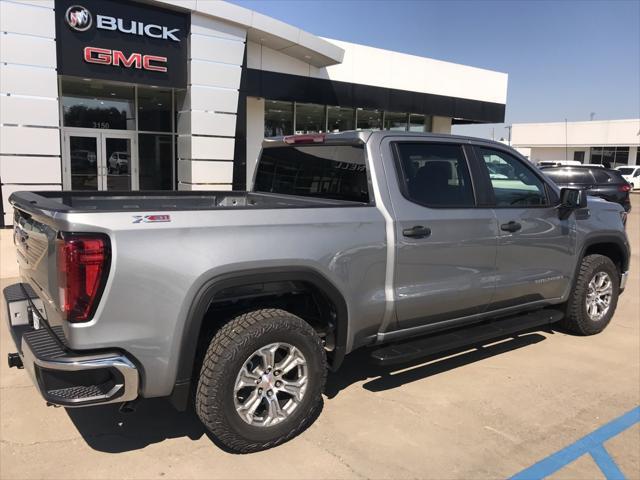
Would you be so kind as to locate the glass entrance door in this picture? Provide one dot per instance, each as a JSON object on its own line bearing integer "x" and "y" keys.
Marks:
{"x": 100, "y": 160}
{"x": 82, "y": 153}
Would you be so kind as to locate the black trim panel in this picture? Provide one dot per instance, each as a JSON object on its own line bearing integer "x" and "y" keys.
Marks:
{"x": 283, "y": 86}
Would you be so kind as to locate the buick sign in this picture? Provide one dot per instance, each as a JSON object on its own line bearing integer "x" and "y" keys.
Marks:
{"x": 78, "y": 18}
{"x": 123, "y": 41}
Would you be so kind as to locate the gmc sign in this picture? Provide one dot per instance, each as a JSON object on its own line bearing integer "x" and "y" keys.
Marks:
{"x": 122, "y": 41}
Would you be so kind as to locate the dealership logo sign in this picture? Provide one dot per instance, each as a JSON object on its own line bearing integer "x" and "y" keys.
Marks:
{"x": 78, "y": 18}
{"x": 105, "y": 56}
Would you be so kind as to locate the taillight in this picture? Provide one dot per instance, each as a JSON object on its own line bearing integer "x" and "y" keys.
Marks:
{"x": 83, "y": 265}
{"x": 310, "y": 138}
{"x": 624, "y": 188}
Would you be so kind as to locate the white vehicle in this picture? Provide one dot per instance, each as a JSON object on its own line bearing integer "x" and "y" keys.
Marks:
{"x": 119, "y": 162}
{"x": 632, "y": 175}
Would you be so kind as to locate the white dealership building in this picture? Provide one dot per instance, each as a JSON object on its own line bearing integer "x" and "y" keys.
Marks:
{"x": 610, "y": 142}
{"x": 178, "y": 94}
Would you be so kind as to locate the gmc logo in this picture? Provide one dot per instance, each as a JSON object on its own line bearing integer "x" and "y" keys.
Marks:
{"x": 104, "y": 56}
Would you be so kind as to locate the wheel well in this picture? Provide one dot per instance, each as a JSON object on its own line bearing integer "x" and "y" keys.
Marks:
{"x": 301, "y": 298}
{"x": 304, "y": 293}
{"x": 608, "y": 249}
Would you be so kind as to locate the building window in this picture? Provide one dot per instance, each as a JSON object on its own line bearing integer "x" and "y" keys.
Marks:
{"x": 278, "y": 118}
{"x": 340, "y": 119}
{"x": 156, "y": 161}
{"x": 92, "y": 104}
{"x": 419, "y": 123}
{"x": 395, "y": 121}
{"x": 610, "y": 156}
{"x": 368, "y": 119}
{"x": 154, "y": 109}
{"x": 310, "y": 118}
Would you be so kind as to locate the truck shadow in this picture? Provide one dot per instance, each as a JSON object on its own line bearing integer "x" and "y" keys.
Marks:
{"x": 106, "y": 429}
{"x": 357, "y": 367}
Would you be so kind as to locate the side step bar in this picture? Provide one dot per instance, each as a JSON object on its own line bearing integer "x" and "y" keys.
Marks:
{"x": 461, "y": 337}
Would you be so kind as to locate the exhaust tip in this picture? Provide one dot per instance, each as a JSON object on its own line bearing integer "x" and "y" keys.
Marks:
{"x": 14, "y": 360}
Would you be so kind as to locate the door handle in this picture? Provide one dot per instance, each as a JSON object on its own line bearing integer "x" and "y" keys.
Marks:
{"x": 417, "y": 232}
{"x": 510, "y": 227}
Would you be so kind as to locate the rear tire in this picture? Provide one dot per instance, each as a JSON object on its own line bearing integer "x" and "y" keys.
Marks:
{"x": 241, "y": 367}
{"x": 594, "y": 297}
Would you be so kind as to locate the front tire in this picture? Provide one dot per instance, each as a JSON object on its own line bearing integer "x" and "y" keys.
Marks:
{"x": 261, "y": 381}
{"x": 594, "y": 297}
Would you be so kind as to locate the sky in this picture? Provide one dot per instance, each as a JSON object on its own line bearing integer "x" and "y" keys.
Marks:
{"x": 565, "y": 59}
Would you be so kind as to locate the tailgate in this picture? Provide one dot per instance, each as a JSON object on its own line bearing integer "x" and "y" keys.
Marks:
{"x": 36, "y": 253}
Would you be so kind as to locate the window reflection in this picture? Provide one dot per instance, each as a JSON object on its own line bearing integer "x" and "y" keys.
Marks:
{"x": 340, "y": 119}
{"x": 92, "y": 104}
{"x": 310, "y": 118}
{"x": 369, "y": 119}
{"x": 154, "y": 109}
{"x": 395, "y": 121}
{"x": 156, "y": 161}
{"x": 278, "y": 118}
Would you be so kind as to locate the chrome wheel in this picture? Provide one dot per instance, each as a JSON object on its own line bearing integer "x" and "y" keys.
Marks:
{"x": 599, "y": 295}
{"x": 271, "y": 384}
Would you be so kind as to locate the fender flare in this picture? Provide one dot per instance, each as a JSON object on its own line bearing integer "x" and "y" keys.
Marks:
{"x": 207, "y": 293}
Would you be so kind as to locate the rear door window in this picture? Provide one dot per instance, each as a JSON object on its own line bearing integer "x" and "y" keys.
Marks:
{"x": 337, "y": 172}
{"x": 434, "y": 175}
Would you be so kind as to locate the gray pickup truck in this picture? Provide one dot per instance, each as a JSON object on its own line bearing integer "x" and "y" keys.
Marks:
{"x": 240, "y": 302}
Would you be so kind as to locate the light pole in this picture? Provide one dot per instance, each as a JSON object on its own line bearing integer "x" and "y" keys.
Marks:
{"x": 566, "y": 141}
{"x": 508, "y": 127}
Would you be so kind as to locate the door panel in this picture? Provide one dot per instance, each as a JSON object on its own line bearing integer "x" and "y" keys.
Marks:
{"x": 447, "y": 270}
{"x": 536, "y": 247}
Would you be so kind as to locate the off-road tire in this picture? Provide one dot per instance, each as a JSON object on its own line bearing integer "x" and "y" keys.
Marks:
{"x": 577, "y": 320}
{"x": 227, "y": 352}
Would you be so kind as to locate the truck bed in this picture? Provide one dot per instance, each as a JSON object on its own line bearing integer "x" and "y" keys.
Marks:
{"x": 85, "y": 202}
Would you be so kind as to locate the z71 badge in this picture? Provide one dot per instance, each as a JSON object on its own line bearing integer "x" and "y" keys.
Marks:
{"x": 151, "y": 218}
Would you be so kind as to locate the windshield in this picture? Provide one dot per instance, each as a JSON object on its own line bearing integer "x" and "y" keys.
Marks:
{"x": 626, "y": 170}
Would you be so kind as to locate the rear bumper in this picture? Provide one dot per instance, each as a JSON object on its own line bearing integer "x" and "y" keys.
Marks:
{"x": 63, "y": 376}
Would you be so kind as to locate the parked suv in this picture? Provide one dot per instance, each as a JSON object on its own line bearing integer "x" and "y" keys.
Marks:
{"x": 239, "y": 302}
{"x": 601, "y": 182}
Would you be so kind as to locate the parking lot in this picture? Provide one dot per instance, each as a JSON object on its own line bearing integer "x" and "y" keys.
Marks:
{"x": 483, "y": 413}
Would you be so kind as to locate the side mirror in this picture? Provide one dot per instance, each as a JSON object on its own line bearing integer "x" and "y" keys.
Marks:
{"x": 573, "y": 198}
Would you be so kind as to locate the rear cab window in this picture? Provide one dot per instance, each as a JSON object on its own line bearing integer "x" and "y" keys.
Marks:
{"x": 337, "y": 172}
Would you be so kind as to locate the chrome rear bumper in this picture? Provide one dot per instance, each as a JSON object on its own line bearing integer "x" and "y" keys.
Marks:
{"x": 63, "y": 376}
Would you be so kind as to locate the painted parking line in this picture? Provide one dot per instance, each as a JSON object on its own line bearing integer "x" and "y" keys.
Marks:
{"x": 592, "y": 444}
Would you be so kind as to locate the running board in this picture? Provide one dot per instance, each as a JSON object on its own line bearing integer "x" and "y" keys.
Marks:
{"x": 461, "y": 337}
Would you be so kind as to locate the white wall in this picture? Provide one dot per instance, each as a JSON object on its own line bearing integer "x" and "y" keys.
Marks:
{"x": 384, "y": 68}
{"x": 29, "y": 130}
{"x": 595, "y": 133}
{"x": 255, "y": 133}
{"x": 207, "y": 117}
{"x": 538, "y": 154}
